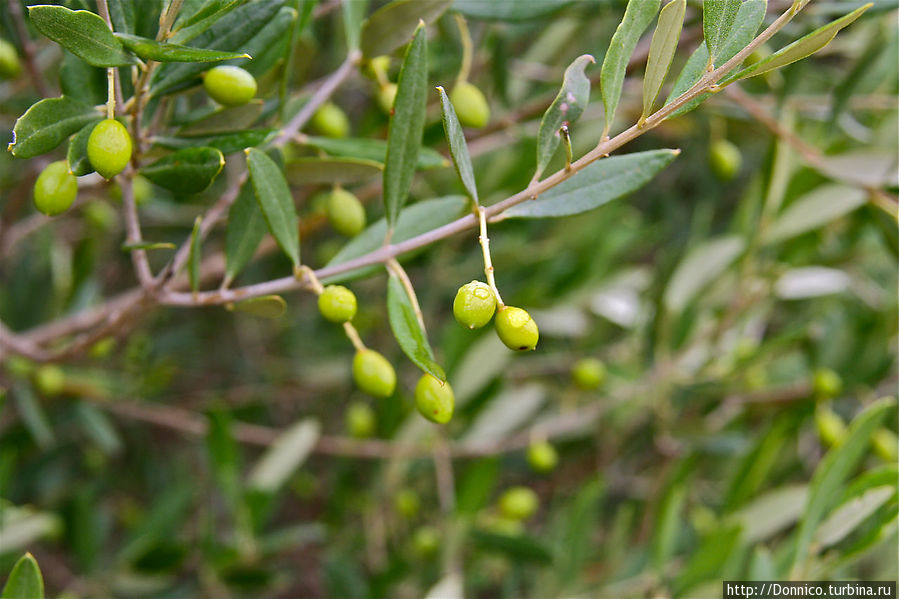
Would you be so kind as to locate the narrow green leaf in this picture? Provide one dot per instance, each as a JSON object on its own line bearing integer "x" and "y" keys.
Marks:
{"x": 509, "y": 10}
{"x": 81, "y": 82}
{"x": 82, "y": 33}
{"x": 246, "y": 227}
{"x": 847, "y": 517}
{"x": 770, "y": 513}
{"x": 353, "y": 14}
{"x": 567, "y": 107}
{"x": 190, "y": 27}
{"x": 637, "y": 17}
{"x": 266, "y": 306}
{"x": 193, "y": 262}
{"x": 284, "y": 456}
{"x": 147, "y": 245}
{"x": 76, "y": 155}
{"x": 276, "y": 203}
{"x": 269, "y": 45}
{"x": 390, "y": 26}
{"x": 718, "y": 17}
{"x": 455, "y": 137}
{"x": 121, "y": 13}
{"x": 661, "y": 52}
{"x": 815, "y": 209}
{"x": 303, "y": 171}
{"x": 801, "y": 48}
{"x": 520, "y": 548}
{"x": 408, "y": 330}
{"x": 406, "y": 126}
{"x": 149, "y": 49}
{"x": 370, "y": 149}
{"x": 190, "y": 170}
{"x": 668, "y": 524}
{"x": 224, "y": 120}
{"x": 226, "y": 143}
{"x": 47, "y": 123}
{"x": 25, "y": 580}
{"x": 597, "y": 184}
{"x": 706, "y": 562}
{"x": 703, "y": 264}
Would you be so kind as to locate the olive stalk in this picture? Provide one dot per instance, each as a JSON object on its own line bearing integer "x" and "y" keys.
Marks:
{"x": 488, "y": 261}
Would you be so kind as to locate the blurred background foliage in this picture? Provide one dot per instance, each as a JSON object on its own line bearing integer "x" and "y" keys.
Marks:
{"x": 743, "y": 322}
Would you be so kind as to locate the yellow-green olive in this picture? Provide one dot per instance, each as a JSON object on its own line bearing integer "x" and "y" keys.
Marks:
{"x": 229, "y": 85}
{"x": 434, "y": 400}
{"x": 516, "y": 329}
{"x": 109, "y": 148}
{"x": 470, "y": 105}
{"x": 55, "y": 189}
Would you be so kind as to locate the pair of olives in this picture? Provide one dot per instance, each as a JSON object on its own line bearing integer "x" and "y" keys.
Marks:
{"x": 475, "y": 305}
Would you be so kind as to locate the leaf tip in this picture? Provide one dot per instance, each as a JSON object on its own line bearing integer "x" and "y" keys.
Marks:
{"x": 245, "y": 55}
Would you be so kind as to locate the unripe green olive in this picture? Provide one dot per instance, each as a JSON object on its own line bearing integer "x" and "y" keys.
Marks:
{"x": 373, "y": 373}
{"x": 376, "y": 67}
{"x": 518, "y": 503}
{"x": 345, "y": 212}
{"x": 470, "y": 104}
{"x": 386, "y": 96}
{"x": 474, "y": 305}
{"x": 49, "y": 379}
{"x": 10, "y": 67}
{"x": 425, "y": 541}
{"x": 831, "y": 427}
{"x": 434, "y": 400}
{"x": 55, "y": 189}
{"x": 331, "y": 121}
{"x": 229, "y": 85}
{"x": 826, "y": 383}
{"x": 18, "y": 366}
{"x": 406, "y": 503}
{"x": 588, "y": 373}
{"x": 725, "y": 159}
{"x": 109, "y": 148}
{"x": 516, "y": 329}
{"x": 501, "y": 525}
{"x": 337, "y": 303}
{"x": 360, "y": 420}
{"x": 542, "y": 456}
{"x": 885, "y": 444}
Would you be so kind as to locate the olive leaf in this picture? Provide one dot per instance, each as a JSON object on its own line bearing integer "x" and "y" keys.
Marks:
{"x": 637, "y": 17}
{"x": 121, "y": 13}
{"x": 190, "y": 170}
{"x": 147, "y": 245}
{"x": 353, "y": 14}
{"x": 188, "y": 27}
{"x": 76, "y": 155}
{"x": 390, "y": 26}
{"x": 149, "y": 49}
{"x": 82, "y": 33}
{"x": 193, "y": 261}
{"x": 266, "y": 306}
{"x": 718, "y": 17}
{"x": 702, "y": 265}
{"x": 25, "y": 580}
{"x": 567, "y": 107}
{"x": 509, "y": 10}
{"x": 455, "y": 137}
{"x": 815, "y": 209}
{"x": 661, "y": 52}
{"x": 407, "y": 329}
{"x": 224, "y": 120}
{"x": 303, "y": 171}
{"x": 269, "y": 45}
{"x": 406, "y": 126}
{"x": 370, "y": 149}
{"x": 284, "y": 455}
{"x": 246, "y": 228}
{"x": 276, "y": 203}
{"x": 47, "y": 123}
{"x": 226, "y": 143}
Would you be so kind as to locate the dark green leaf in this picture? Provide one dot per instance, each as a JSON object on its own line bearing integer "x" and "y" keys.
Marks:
{"x": 637, "y": 17}
{"x": 190, "y": 170}
{"x": 82, "y": 33}
{"x": 77, "y": 153}
{"x": 81, "y": 82}
{"x": 224, "y": 120}
{"x": 519, "y": 548}
{"x": 668, "y": 524}
{"x": 370, "y": 149}
{"x": 191, "y": 26}
{"x": 266, "y": 306}
{"x": 406, "y": 126}
{"x": 393, "y": 24}
{"x": 661, "y": 51}
{"x": 246, "y": 227}
{"x": 601, "y": 182}
{"x": 148, "y": 245}
{"x": 303, "y": 171}
{"x": 718, "y": 17}
{"x": 227, "y": 143}
{"x": 353, "y": 14}
{"x": 276, "y": 203}
{"x": 565, "y": 109}
{"x": 455, "y": 137}
{"x": 25, "y": 581}
{"x": 121, "y": 13}
{"x": 33, "y": 415}
{"x": 407, "y": 329}
{"x": 148, "y": 49}
{"x": 47, "y": 123}
{"x": 269, "y": 45}
{"x": 193, "y": 261}
{"x": 509, "y": 10}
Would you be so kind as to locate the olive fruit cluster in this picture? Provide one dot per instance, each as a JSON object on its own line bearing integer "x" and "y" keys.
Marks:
{"x": 385, "y": 90}
{"x": 229, "y": 85}
{"x": 474, "y": 306}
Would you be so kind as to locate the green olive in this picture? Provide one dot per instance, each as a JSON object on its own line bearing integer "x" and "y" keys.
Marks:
{"x": 109, "y": 148}
{"x": 518, "y": 503}
{"x": 426, "y": 541}
{"x": 406, "y": 503}
{"x": 376, "y": 68}
{"x": 831, "y": 427}
{"x": 542, "y": 456}
{"x": 337, "y": 303}
{"x": 434, "y": 400}
{"x": 386, "y": 96}
{"x": 345, "y": 212}
{"x": 331, "y": 121}
{"x": 474, "y": 305}
{"x": 50, "y": 380}
{"x": 229, "y": 85}
{"x": 55, "y": 189}
{"x": 18, "y": 366}
{"x": 826, "y": 383}
{"x": 725, "y": 159}
{"x": 588, "y": 373}
{"x": 885, "y": 444}
{"x": 470, "y": 104}
{"x": 360, "y": 420}
{"x": 10, "y": 66}
{"x": 516, "y": 329}
{"x": 373, "y": 373}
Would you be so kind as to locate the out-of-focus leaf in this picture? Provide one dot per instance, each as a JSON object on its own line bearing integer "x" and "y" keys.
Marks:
{"x": 76, "y": 155}
{"x": 190, "y": 170}
{"x": 224, "y": 120}
{"x": 718, "y": 17}
{"x": 266, "y": 306}
{"x": 508, "y": 10}
{"x": 393, "y": 24}
{"x": 370, "y": 149}
{"x": 519, "y": 548}
{"x": 575, "y": 540}
{"x": 834, "y": 469}
{"x": 276, "y": 203}
{"x": 22, "y": 528}
{"x": 226, "y": 143}
{"x": 224, "y": 455}
{"x": 476, "y": 485}
{"x": 483, "y": 361}
{"x": 303, "y": 171}
{"x": 284, "y": 456}
{"x": 848, "y": 516}
{"x": 873, "y": 168}
{"x": 706, "y": 562}
{"x": 597, "y": 184}
{"x": 82, "y": 33}
{"x": 32, "y": 415}
{"x": 661, "y": 51}
{"x": 47, "y": 123}
{"x": 269, "y": 45}
{"x": 407, "y": 329}
{"x": 770, "y": 513}
{"x": 448, "y": 586}
{"x": 353, "y": 14}
{"x": 703, "y": 264}
{"x": 566, "y": 108}
{"x": 811, "y": 281}
{"x": 193, "y": 261}
{"x": 801, "y": 48}
{"x": 637, "y": 17}
{"x": 506, "y": 413}
{"x": 191, "y": 26}
{"x": 25, "y": 581}
{"x": 815, "y": 209}
{"x": 149, "y": 49}
{"x": 455, "y": 137}
{"x": 246, "y": 228}
{"x": 148, "y": 245}
{"x": 668, "y": 524}
{"x": 99, "y": 427}
{"x": 755, "y": 467}
{"x": 406, "y": 125}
